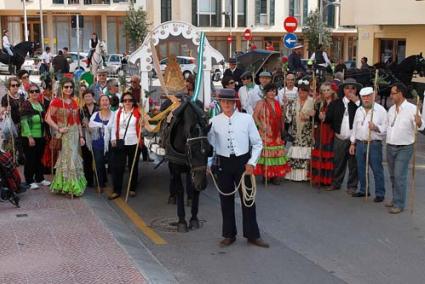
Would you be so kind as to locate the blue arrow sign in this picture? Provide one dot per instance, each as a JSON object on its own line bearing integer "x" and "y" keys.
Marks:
{"x": 290, "y": 40}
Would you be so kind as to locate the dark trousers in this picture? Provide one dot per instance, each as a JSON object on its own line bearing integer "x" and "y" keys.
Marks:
{"x": 87, "y": 165}
{"x": 176, "y": 172}
{"x": 341, "y": 159}
{"x": 100, "y": 159}
{"x": 229, "y": 173}
{"x": 33, "y": 169}
{"x": 119, "y": 160}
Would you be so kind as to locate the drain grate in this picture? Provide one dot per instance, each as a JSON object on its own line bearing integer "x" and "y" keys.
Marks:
{"x": 21, "y": 215}
{"x": 168, "y": 224}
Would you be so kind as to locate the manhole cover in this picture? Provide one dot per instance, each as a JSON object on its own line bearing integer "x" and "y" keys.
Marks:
{"x": 21, "y": 215}
{"x": 168, "y": 224}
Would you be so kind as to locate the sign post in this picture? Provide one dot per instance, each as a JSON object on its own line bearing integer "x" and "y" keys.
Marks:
{"x": 247, "y": 34}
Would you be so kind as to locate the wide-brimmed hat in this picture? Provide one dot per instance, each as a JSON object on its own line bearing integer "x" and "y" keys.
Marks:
{"x": 227, "y": 94}
{"x": 265, "y": 74}
{"x": 351, "y": 82}
{"x": 232, "y": 60}
{"x": 246, "y": 74}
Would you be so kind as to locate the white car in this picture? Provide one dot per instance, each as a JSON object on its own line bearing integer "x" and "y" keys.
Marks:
{"x": 32, "y": 65}
{"x": 73, "y": 61}
{"x": 187, "y": 65}
{"x": 113, "y": 63}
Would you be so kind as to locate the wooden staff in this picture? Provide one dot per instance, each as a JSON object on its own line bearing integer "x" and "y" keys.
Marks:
{"x": 369, "y": 136}
{"x": 12, "y": 137}
{"x": 320, "y": 148}
{"x": 413, "y": 183}
{"x": 142, "y": 114}
{"x": 312, "y": 127}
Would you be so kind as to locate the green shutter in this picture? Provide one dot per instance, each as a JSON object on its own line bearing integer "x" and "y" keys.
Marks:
{"x": 194, "y": 12}
{"x": 291, "y": 7}
{"x": 305, "y": 11}
{"x": 272, "y": 12}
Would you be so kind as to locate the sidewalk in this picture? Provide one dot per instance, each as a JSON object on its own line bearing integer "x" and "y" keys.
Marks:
{"x": 53, "y": 239}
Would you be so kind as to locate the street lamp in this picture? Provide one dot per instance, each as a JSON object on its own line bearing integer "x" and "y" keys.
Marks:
{"x": 321, "y": 8}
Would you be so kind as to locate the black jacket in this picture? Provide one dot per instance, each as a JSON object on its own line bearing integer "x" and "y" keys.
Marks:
{"x": 294, "y": 63}
{"x": 335, "y": 114}
{"x": 236, "y": 75}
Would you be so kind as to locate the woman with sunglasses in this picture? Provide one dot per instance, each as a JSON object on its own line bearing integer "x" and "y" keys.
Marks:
{"x": 124, "y": 135}
{"x": 322, "y": 154}
{"x": 33, "y": 131}
{"x": 63, "y": 116}
{"x": 101, "y": 126}
{"x": 300, "y": 152}
{"x": 272, "y": 164}
{"x": 11, "y": 105}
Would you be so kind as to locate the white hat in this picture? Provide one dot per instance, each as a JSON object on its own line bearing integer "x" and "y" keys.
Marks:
{"x": 366, "y": 91}
{"x": 298, "y": 46}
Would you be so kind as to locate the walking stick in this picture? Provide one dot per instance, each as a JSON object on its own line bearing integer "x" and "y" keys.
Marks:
{"x": 413, "y": 183}
{"x": 320, "y": 149}
{"x": 142, "y": 113}
{"x": 12, "y": 137}
{"x": 369, "y": 136}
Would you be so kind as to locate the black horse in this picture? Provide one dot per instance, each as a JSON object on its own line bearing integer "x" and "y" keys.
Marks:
{"x": 20, "y": 51}
{"x": 187, "y": 150}
{"x": 405, "y": 70}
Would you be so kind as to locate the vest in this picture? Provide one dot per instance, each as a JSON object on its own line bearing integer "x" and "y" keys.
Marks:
{"x": 319, "y": 57}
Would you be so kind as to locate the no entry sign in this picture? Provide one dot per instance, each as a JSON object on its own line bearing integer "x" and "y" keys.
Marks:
{"x": 290, "y": 24}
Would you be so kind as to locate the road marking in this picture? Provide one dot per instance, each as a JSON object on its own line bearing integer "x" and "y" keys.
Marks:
{"x": 139, "y": 223}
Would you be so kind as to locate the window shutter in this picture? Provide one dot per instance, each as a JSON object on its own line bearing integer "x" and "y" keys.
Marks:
{"x": 291, "y": 7}
{"x": 194, "y": 12}
{"x": 305, "y": 11}
{"x": 272, "y": 12}
{"x": 218, "y": 12}
{"x": 257, "y": 11}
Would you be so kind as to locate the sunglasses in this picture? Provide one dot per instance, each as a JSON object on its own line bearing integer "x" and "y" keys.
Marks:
{"x": 232, "y": 82}
{"x": 14, "y": 85}
{"x": 68, "y": 87}
{"x": 127, "y": 100}
{"x": 34, "y": 91}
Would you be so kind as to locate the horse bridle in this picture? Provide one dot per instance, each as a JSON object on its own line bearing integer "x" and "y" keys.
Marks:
{"x": 189, "y": 143}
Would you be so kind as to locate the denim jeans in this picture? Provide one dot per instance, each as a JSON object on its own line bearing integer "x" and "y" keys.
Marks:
{"x": 375, "y": 162}
{"x": 398, "y": 158}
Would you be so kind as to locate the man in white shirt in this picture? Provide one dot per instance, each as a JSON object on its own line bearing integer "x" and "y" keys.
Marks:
{"x": 237, "y": 145}
{"x": 362, "y": 126}
{"x": 320, "y": 57}
{"x": 249, "y": 93}
{"x": 46, "y": 58}
{"x": 6, "y": 43}
{"x": 402, "y": 122}
{"x": 340, "y": 116}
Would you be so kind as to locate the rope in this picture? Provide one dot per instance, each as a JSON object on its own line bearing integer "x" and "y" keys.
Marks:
{"x": 248, "y": 193}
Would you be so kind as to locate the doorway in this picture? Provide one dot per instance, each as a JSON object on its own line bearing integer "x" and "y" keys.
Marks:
{"x": 34, "y": 33}
{"x": 392, "y": 50}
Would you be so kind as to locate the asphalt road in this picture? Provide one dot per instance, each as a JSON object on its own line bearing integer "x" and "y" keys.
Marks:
{"x": 315, "y": 237}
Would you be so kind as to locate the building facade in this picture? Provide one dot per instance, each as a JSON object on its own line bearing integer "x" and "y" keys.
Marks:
{"x": 105, "y": 17}
{"x": 388, "y": 30}
{"x": 221, "y": 18}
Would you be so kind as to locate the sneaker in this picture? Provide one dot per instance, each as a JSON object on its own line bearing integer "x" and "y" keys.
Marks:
{"x": 34, "y": 186}
{"x": 395, "y": 210}
{"x": 45, "y": 183}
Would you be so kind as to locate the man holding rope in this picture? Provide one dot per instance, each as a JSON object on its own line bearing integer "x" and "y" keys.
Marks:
{"x": 403, "y": 118}
{"x": 360, "y": 138}
{"x": 238, "y": 146}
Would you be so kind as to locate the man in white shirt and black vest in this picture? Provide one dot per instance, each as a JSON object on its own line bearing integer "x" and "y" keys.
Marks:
{"x": 402, "y": 121}
{"x": 362, "y": 126}
{"x": 340, "y": 116}
{"x": 237, "y": 145}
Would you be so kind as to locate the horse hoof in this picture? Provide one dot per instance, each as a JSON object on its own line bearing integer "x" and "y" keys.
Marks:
{"x": 189, "y": 203}
{"x": 194, "y": 224}
{"x": 172, "y": 200}
{"x": 182, "y": 227}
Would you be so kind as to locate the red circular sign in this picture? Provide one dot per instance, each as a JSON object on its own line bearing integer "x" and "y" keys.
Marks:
{"x": 290, "y": 24}
{"x": 247, "y": 34}
{"x": 229, "y": 39}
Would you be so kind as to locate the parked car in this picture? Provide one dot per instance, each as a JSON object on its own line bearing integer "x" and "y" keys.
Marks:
{"x": 187, "y": 65}
{"x": 73, "y": 61}
{"x": 113, "y": 63}
{"x": 32, "y": 65}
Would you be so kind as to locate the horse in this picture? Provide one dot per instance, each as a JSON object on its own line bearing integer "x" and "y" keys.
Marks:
{"x": 405, "y": 70}
{"x": 97, "y": 57}
{"x": 187, "y": 150}
{"x": 20, "y": 51}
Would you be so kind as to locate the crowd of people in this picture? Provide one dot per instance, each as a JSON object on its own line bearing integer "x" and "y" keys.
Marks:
{"x": 313, "y": 132}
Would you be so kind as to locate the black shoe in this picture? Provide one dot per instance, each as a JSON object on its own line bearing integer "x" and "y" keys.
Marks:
{"x": 378, "y": 199}
{"x": 194, "y": 224}
{"x": 360, "y": 194}
{"x": 182, "y": 227}
{"x": 227, "y": 242}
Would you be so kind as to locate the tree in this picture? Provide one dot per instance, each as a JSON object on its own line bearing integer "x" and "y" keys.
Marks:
{"x": 136, "y": 25}
{"x": 312, "y": 28}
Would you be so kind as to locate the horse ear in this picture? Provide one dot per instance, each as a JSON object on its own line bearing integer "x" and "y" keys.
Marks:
{"x": 420, "y": 54}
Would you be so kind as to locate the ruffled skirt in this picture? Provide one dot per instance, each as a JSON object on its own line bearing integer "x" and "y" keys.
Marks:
{"x": 69, "y": 176}
{"x": 299, "y": 161}
{"x": 273, "y": 162}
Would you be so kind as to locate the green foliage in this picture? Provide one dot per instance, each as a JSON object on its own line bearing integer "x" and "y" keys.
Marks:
{"x": 136, "y": 25}
{"x": 311, "y": 30}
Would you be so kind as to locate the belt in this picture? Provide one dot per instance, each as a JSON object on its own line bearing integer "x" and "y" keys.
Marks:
{"x": 233, "y": 156}
{"x": 365, "y": 141}
{"x": 399, "y": 146}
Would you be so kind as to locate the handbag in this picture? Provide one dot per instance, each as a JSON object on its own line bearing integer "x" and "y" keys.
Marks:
{"x": 120, "y": 142}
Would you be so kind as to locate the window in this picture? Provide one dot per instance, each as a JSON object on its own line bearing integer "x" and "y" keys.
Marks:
{"x": 58, "y": 1}
{"x": 264, "y": 12}
{"x": 299, "y": 10}
{"x": 91, "y": 2}
{"x": 241, "y": 13}
{"x": 73, "y": 2}
{"x": 165, "y": 10}
{"x": 121, "y": 1}
{"x": 206, "y": 13}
